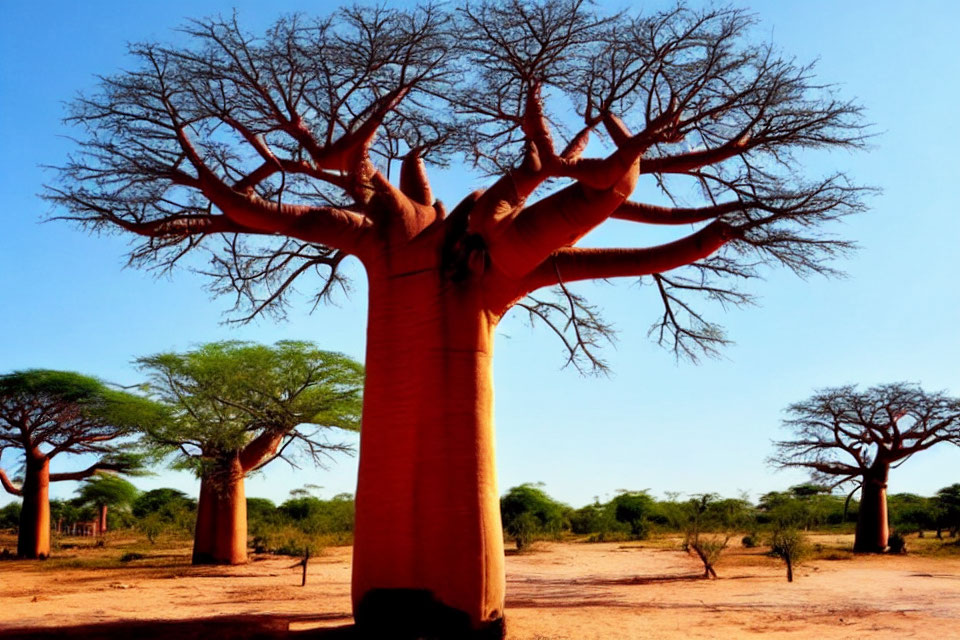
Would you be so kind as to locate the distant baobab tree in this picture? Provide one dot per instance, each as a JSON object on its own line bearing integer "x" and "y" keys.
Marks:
{"x": 276, "y": 154}
{"x": 236, "y": 408}
{"x": 105, "y": 490}
{"x": 44, "y": 414}
{"x": 847, "y": 435}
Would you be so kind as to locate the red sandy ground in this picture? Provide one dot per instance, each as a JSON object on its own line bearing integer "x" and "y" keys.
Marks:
{"x": 560, "y": 591}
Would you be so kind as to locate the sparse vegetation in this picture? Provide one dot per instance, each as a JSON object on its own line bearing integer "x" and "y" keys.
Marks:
{"x": 791, "y": 546}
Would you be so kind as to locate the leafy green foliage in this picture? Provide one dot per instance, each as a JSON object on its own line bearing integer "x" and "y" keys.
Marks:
{"x": 633, "y": 508}
{"x": 300, "y": 524}
{"x": 528, "y": 511}
{"x": 947, "y": 503}
{"x": 10, "y": 516}
{"x": 260, "y": 509}
{"x": 710, "y": 523}
{"x": 791, "y": 546}
{"x": 524, "y": 529}
{"x": 910, "y": 512}
{"x": 600, "y": 521}
{"x": 107, "y": 489}
{"x": 66, "y": 513}
{"x": 58, "y": 412}
{"x": 165, "y": 501}
{"x": 225, "y": 394}
{"x": 164, "y": 510}
{"x": 805, "y": 506}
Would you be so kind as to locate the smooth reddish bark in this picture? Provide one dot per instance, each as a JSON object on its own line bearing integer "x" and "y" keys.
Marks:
{"x": 428, "y": 536}
{"x": 34, "y": 536}
{"x": 221, "y": 531}
{"x": 873, "y": 527}
{"x": 102, "y": 519}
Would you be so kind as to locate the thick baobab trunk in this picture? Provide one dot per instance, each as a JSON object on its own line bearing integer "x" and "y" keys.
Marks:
{"x": 221, "y": 532}
{"x": 873, "y": 528}
{"x": 34, "y": 537}
{"x": 428, "y": 550}
{"x": 102, "y": 519}
{"x": 204, "y": 528}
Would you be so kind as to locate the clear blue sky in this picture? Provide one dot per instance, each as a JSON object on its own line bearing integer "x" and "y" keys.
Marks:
{"x": 68, "y": 303}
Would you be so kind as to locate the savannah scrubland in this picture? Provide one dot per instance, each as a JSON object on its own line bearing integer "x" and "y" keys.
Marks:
{"x": 561, "y": 590}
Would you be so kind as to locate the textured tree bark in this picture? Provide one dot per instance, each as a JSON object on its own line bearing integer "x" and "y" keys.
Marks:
{"x": 34, "y": 537}
{"x": 428, "y": 550}
{"x": 873, "y": 528}
{"x": 221, "y": 533}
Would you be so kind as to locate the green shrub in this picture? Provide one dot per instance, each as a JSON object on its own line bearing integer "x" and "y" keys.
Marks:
{"x": 632, "y": 508}
{"x": 789, "y": 545}
{"x": 523, "y": 529}
{"x": 287, "y": 540}
{"x": 896, "y": 542}
{"x": 10, "y": 516}
{"x": 529, "y": 514}
{"x": 610, "y": 536}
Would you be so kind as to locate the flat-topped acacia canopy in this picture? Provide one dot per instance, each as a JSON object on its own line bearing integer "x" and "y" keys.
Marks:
{"x": 274, "y": 153}
{"x": 44, "y": 414}
{"x": 238, "y": 406}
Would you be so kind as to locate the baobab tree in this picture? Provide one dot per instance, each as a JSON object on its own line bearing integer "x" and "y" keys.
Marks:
{"x": 277, "y": 154}
{"x": 44, "y": 414}
{"x": 845, "y": 435}
{"x": 104, "y": 490}
{"x": 239, "y": 406}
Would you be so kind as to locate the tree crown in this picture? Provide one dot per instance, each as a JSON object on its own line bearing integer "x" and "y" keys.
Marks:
{"x": 232, "y": 397}
{"x": 107, "y": 489}
{"x": 276, "y": 153}
{"x": 844, "y": 432}
{"x": 55, "y": 412}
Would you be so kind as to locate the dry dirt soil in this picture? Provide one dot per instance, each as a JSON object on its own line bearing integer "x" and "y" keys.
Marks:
{"x": 559, "y": 591}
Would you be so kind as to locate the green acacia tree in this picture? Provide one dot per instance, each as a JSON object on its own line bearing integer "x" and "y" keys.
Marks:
{"x": 163, "y": 509}
{"x": 105, "y": 490}
{"x": 238, "y": 407}
{"x": 528, "y": 512}
{"x": 44, "y": 414}
{"x": 633, "y": 508}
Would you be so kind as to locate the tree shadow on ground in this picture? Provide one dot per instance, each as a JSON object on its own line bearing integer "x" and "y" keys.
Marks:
{"x": 252, "y": 627}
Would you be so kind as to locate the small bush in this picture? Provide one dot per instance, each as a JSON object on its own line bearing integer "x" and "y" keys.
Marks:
{"x": 749, "y": 541}
{"x": 896, "y": 542}
{"x": 610, "y": 536}
{"x": 286, "y": 540}
{"x": 127, "y": 557}
{"x": 708, "y": 548}
{"x": 791, "y": 546}
{"x": 523, "y": 529}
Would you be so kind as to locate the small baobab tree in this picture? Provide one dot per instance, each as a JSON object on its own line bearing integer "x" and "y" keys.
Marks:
{"x": 103, "y": 491}
{"x": 44, "y": 414}
{"x": 278, "y": 155}
{"x": 847, "y": 435}
{"x": 239, "y": 406}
